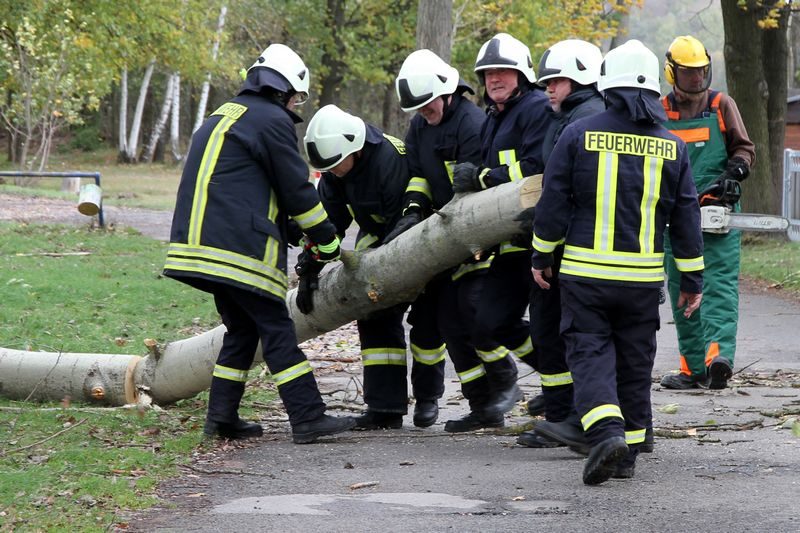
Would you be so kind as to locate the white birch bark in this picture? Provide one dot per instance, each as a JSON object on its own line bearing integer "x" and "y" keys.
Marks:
{"x": 136, "y": 123}
{"x": 158, "y": 128}
{"x": 174, "y": 129}
{"x": 360, "y": 284}
{"x": 201, "y": 106}
{"x": 123, "y": 113}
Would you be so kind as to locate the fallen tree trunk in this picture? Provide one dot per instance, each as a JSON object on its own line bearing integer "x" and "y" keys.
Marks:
{"x": 360, "y": 284}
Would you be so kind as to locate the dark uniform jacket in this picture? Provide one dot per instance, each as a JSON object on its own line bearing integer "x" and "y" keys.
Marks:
{"x": 511, "y": 139}
{"x": 581, "y": 103}
{"x": 243, "y": 178}
{"x": 372, "y": 192}
{"x": 434, "y": 150}
{"x": 611, "y": 186}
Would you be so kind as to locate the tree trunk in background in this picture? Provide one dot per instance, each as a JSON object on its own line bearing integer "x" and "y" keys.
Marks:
{"x": 123, "y": 114}
{"x": 174, "y": 129}
{"x": 747, "y": 55}
{"x": 395, "y": 120}
{"x": 132, "y": 149}
{"x": 361, "y": 284}
{"x": 776, "y": 59}
{"x": 201, "y": 106}
{"x": 158, "y": 128}
{"x": 332, "y": 56}
{"x": 435, "y": 26}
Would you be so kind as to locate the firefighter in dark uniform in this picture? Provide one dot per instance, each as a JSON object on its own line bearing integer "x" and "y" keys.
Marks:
{"x": 612, "y": 183}
{"x": 444, "y": 132}
{"x": 569, "y": 70}
{"x": 243, "y": 178}
{"x": 366, "y": 175}
{"x": 511, "y": 149}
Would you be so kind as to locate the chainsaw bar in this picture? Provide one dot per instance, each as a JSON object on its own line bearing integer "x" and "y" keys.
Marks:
{"x": 720, "y": 219}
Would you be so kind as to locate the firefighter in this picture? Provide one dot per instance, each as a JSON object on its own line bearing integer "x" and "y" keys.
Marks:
{"x": 444, "y": 132}
{"x": 721, "y": 156}
{"x": 511, "y": 148}
{"x": 243, "y": 178}
{"x": 612, "y": 183}
{"x": 569, "y": 71}
{"x": 364, "y": 179}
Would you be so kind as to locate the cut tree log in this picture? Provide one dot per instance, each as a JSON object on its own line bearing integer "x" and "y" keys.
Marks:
{"x": 362, "y": 283}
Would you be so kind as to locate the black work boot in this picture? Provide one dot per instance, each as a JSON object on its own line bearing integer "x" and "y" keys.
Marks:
{"x": 307, "y": 432}
{"x": 603, "y": 460}
{"x": 649, "y": 442}
{"x": 475, "y": 420}
{"x": 536, "y": 405}
{"x": 378, "y": 420}
{"x": 425, "y": 413}
{"x": 531, "y": 439}
{"x": 720, "y": 371}
{"x": 569, "y": 432}
{"x": 683, "y": 381}
{"x": 503, "y": 401}
{"x": 237, "y": 430}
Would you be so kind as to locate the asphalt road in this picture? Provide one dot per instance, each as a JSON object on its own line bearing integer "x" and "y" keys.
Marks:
{"x": 731, "y": 469}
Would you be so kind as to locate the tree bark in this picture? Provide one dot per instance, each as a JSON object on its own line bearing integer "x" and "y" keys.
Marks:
{"x": 133, "y": 139}
{"x": 201, "y": 106}
{"x": 435, "y": 26}
{"x": 755, "y": 62}
{"x": 333, "y": 54}
{"x": 123, "y": 114}
{"x": 150, "y": 149}
{"x": 360, "y": 284}
{"x": 174, "y": 129}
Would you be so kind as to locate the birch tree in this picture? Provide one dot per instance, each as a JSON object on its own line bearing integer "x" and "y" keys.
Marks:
{"x": 201, "y": 106}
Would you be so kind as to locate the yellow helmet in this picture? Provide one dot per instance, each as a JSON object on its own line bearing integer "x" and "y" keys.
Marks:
{"x": 687, "y": 52}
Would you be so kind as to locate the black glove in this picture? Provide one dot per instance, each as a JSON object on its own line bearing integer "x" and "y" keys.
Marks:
{"x": 465, "y": 178}
{"x": 724, "y": 191}
{"x": 736, "y": 169}
{"x": 526, "y": 219}
{"x": 411, "y": 218}
{"x": 307, "y": 270}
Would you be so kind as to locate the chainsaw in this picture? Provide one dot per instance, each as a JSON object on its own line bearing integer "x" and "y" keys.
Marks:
{"x": 717, "y": 216}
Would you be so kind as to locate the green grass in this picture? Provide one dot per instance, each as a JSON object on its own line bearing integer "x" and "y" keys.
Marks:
{"x": 73, "y": 467}
{"x": 773, "y": 261}
{"x": 107, "y": 301}
{"x": 150, "y": 186}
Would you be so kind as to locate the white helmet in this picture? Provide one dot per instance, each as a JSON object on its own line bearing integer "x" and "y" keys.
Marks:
{"x": 574, "y": 59}
{"x": 332, "y": 135}
{"x": 504, "y": 51}
{"x": 631, "y": 64}
{"x": 288, "y": 64}
{"x": 423, "y": 77}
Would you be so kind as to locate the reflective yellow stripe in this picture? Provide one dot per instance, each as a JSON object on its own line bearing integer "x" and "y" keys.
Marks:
{"x": 616, "y": 273}
{"x": 482, "y": 178}
{"x": 232, "y": 374}
{"x": 634, "y": 437}
{"x": 449, "y": 166}
{"x": 544, "y": 246}
{"x": 293, "y": 372}
{"x": 420, "y": 185}
{"x": 230, "y": 110}
{"x": 366, "y": 241}
{"x": 204, "y": 173}
{"x": 378, "y": 218}
{"x": 652, "y": 193}
{"x": 629, "y": 144}
{"x": 428, "y": 357}
{"x": 494, "y": 355}
{"x": 690, "y": 265}
{"x": 506, "y": 248}
{"x": 330, "y": 247}
{"x": 397, "y": 143}
{"x": 384, "y": 356}
{"x": 600, "y": 412}
{"x": 207, "y": 261}
{"x": 526, "y": 348}
{"x": 606, "y": 201}
{"x": 312, "y": 217}
{"x": 466, "y": 268}
{"x": 509, "y": 158}
{"x": 271, "y": 249}
{"x": 556, "y": 380}
{"x": 472, "y": 374}
{"x": 632, "y": 259}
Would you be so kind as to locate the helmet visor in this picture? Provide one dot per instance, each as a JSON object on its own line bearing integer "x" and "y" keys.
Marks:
{"x": 693, "y": 80}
